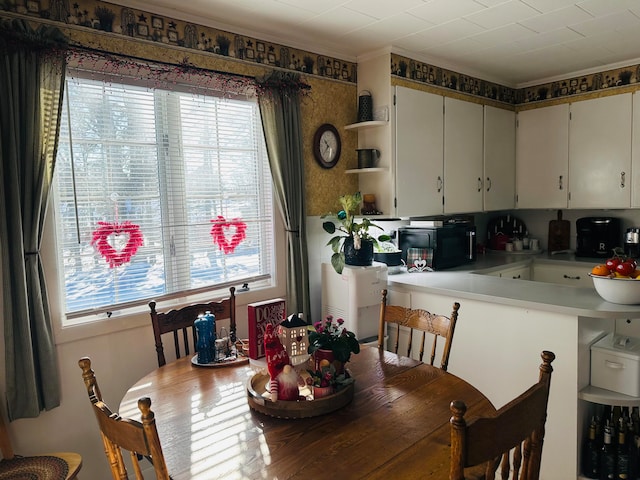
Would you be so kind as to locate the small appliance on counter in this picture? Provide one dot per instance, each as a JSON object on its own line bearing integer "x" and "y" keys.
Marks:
{"x": 632, "y": 242}
{"x": 449, "y": 241}
{"x": 597, "y": 236}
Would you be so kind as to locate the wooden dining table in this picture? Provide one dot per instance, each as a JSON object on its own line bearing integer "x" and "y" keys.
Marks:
{"x": 396, "y": 426}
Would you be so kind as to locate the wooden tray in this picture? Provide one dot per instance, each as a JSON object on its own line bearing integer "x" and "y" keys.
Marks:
{"x": 290, "y": 409}
{"x": 240, "y": 359}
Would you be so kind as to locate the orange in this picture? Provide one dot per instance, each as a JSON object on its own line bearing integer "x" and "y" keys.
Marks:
{"x": 600, "y": 270}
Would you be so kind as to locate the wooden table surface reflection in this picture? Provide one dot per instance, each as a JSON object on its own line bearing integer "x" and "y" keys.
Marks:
{"x": 396, "y": 427}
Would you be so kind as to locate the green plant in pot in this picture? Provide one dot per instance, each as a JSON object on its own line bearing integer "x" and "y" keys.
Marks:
{"x": 353, "y": 243}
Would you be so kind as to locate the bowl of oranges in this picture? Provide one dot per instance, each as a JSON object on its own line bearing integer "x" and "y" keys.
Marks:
{"x": 617, "y": 280}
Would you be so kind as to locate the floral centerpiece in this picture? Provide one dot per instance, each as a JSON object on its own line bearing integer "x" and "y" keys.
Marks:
{"x": 326, "y": 380}
{"x": 353, "y": 236}
{"x": 331, "y": 335}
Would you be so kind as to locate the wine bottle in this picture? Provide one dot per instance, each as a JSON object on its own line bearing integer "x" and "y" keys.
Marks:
{"x": 591, "y": 453}
{"x": 608, "y": 454}
{"x": 622, "y": 463}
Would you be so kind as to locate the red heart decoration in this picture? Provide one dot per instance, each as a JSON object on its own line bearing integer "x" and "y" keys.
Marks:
{"x": 218, "y": 231}
{"x": 110, "y": 254}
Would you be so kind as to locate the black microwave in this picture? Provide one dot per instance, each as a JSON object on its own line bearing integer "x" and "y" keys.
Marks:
{"x": 448, "y": 245}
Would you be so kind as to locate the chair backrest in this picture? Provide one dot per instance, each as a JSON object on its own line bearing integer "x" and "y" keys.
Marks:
{"x": 421, "y": 320}
{"x": 510, "y": 440}
{"x": 180, "y": 321}
{"x": 138, "y": 438}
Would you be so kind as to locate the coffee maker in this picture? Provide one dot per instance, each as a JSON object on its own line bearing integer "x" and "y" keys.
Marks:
{"x": 597, "y": 236}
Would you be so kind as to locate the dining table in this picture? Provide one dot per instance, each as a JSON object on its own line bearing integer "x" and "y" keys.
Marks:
{"x": 395, "y": 427}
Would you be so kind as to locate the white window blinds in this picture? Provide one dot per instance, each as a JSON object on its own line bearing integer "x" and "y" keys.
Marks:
{"x": 188, "y": 172}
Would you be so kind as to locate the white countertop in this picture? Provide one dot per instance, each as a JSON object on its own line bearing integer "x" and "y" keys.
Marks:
{"x": 461, "y": 283}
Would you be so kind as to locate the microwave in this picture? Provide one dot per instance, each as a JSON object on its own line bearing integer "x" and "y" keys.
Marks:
{"x": 448, "y": 245}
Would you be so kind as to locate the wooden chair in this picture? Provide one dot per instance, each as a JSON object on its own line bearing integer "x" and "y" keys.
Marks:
{"x": 422, "y": 320}
{"x": 182, "y": 320}
{"x": 140, "y": 439}
{"x": 511, "y": 440}
{"x": 63, "y": 465}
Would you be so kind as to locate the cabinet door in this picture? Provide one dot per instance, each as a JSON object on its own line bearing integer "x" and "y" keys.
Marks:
{"x": 463, "y": 173}
{"x": 562, "y": 275}
{"x": 499, "y": 159}
{"x": 542, "y": 157}
{"x": 600, "y": 153}
{"x": 635, "y": 152}
{"x": 419, "y": 134}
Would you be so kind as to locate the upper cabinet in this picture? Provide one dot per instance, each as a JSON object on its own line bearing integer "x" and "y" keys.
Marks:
{"x": 419, "y": 174}
{"x": 463, "y": 169}
{"x": 600, "y": 152}
{"x": 635, "y": 152}
{"x": 542, "y": 153}
{"x": 499, "y": 159}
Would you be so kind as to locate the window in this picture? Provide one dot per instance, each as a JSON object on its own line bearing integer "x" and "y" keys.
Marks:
{"x": 187, "y": 171}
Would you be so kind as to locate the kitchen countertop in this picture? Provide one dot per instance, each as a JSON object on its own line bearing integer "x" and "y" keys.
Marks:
{"x": 461, "y": 282}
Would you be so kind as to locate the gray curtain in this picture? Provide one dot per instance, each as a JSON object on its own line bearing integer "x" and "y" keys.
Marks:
{"x": 32, "y": 69}
{"x": 279, "y": 99}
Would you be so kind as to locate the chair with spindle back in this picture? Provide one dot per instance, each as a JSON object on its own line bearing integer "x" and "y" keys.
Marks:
{"x": 421, "y": 320}
{"x": 62, "y": 465}
{"x": 510, "y": 440}
{"x": 140, "y": 439}
{"x": 181, "y": 321}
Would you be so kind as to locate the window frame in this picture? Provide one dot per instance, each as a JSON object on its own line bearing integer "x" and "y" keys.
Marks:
{"x": 137, "y": 315}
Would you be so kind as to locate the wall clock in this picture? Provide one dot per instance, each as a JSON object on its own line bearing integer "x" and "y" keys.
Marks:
{"x": 327, "y": 145}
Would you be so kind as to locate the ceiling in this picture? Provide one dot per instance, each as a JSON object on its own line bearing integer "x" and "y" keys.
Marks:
{"x": 513, "y": 42}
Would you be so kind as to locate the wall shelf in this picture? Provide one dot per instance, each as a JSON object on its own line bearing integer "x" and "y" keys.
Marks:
{"x": 367, "y": 170}
{"x": 364, "y": 125}
{"x": 607, "y": 397}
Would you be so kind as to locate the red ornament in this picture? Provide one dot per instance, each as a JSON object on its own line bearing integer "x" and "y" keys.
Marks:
{"x": 113, "y": 257}
{"x": 219, "y": 228}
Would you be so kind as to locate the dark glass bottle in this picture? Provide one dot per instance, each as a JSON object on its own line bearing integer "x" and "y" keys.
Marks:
{"x": 608, "y": 454}
{"x": 622, "y": 463}
{"x": 591, "y": 453}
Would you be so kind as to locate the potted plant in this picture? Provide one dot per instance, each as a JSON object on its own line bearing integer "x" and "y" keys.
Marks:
{"x": 326, "y": 380}
{"x": 353, "y": 244}
{"x": 329, "y": 340}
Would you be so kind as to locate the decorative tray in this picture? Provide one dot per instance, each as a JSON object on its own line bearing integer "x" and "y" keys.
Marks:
{"x": 227, "y": 362}
{"x": 259, "y": 401}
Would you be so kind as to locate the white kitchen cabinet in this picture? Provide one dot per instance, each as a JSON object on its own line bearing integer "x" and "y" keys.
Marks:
{"x": 600, "y": 152}
{"x": 560, "y": 274}
{"x": 520, "y": 272}
{"x": 419, "y": 152}
{"x": 499, "y": 159}
{"x": 542, "y": 157}
{"x": 635, "y": 152}
{"x": 463, "y": 165}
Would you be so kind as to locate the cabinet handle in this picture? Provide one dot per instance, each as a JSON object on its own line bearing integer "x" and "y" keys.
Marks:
{"x": 622, "y": 177}
{"x": 488, "y": 184}
{"x": 479, "y": 184}
{"x": 439, "y": 183}
{"x": 577, "y": 277}
{"x": 515, "y": 277}
{"x": 615, "y": 365}
{"x": 560, "y": 186}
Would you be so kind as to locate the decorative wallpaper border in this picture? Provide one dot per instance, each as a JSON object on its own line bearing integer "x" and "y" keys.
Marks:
{"x": 144, "y": 25}
{"x": 99, "y": 15}
{"x": 405, "y": 67}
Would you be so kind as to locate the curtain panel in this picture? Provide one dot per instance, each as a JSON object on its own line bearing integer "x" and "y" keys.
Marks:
{"x": 32, "y": 70}
{"x": 279, "y": 98}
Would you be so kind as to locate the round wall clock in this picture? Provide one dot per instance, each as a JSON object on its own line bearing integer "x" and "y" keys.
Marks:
{"x": 327, "y": 145}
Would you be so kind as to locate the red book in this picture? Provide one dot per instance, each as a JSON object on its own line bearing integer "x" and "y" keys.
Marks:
{"x": 260, "y": 315}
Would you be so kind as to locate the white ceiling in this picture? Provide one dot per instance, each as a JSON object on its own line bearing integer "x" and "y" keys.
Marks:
{"x": 514, "y": 42}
